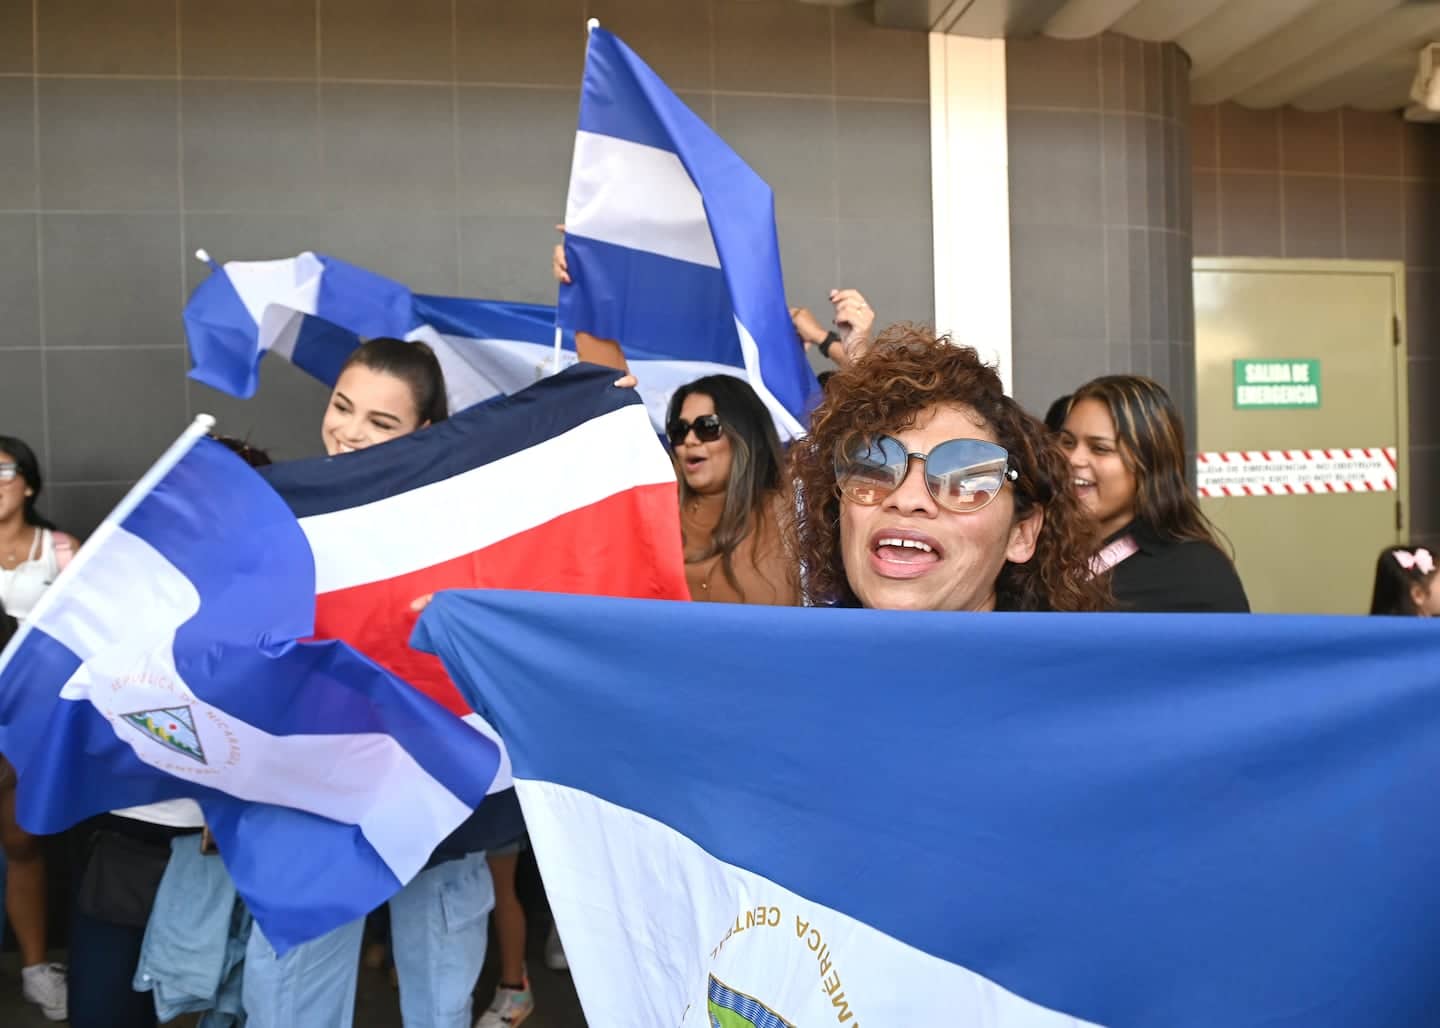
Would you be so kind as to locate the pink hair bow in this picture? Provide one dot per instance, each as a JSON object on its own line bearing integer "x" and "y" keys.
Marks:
{"x": 1420, "y": 560}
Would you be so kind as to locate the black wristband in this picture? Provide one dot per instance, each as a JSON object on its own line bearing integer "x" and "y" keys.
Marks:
{"x": 830, "y": 340}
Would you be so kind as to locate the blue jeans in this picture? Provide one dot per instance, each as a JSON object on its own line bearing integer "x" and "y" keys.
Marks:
{"x": 438, "y": 931}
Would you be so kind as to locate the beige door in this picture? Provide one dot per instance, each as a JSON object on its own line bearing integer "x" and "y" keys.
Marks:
{"x": 1300, "y": 380}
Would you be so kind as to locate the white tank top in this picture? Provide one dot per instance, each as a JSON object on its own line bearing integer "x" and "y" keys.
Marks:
{"x": 21, "y": 586}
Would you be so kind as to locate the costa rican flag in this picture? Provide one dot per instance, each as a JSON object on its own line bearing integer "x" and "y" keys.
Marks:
{"x": 670, "y": 238}
{"x": 562, "y": 487}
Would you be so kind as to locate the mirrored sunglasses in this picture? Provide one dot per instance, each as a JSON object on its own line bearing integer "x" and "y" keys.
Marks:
{"x": 962, "y": 475}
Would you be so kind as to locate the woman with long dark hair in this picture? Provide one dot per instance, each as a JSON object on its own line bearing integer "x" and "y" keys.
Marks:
{"x": 32, "y": 555}
{"x": 1126, "y": 446}
{"x": 1406, "y": 584}
{"x": 729, "y": 461}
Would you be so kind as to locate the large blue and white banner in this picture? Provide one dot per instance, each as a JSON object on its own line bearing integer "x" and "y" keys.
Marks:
{"x": 895, "y": 818}
{"x": 670, "y": 240}
{"x": 163, "y": 665}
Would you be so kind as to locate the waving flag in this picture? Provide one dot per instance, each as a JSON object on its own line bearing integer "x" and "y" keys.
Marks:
{"x": 562, "y": 487}
{"x": 162, "y": 665}
{"x": 670, "y": 239}
{"x": 314, "y": 310}
{"x": 897, "y": 818}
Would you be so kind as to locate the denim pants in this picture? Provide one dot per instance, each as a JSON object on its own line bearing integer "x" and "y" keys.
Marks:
{"x": 438, "y": 931}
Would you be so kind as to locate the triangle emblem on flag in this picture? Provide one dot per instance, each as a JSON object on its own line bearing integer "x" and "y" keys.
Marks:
{"x": 171, "y": 727}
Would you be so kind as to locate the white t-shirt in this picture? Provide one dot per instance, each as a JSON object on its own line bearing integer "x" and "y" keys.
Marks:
{"x": 22, "y": 585}
{"x": 169, "y": 813}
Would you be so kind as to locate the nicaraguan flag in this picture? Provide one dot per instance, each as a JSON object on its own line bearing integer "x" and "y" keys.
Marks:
{"x": 313, "y": 311}
{"x": 671, "y": 243}
{"x": 163, "y": 665}
{"x": 771, "y": 816}
{"x": 562, "y": 487}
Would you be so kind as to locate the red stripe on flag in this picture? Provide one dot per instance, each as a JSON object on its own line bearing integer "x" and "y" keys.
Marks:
{"x": 625, "y": 545}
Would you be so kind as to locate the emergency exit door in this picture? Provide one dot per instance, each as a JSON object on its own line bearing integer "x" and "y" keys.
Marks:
{"x": 1300, "y": 381}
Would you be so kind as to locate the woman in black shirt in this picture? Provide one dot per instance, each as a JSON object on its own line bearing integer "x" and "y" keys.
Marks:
{"x": 1127, "y": 451}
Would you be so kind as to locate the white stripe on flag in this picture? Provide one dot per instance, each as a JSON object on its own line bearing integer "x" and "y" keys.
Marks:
{"x": 459, "y": 515}
{"x": 648, "y": 916}
{"x": 639, "y": 197}
{"x": 293, "y": 283}
{"x": 133, "y": 671}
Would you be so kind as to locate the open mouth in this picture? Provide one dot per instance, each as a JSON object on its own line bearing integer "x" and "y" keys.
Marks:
{"x": 691, "y": 463}
{"x": 896, "y": 554}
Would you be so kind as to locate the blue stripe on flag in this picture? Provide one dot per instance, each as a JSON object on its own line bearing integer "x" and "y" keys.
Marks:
{"x": 488, "y": 319}
{"x": 1224, "y": 821}
{"x": 322, "y": 348}
{"x": 649, "y": 302}
{"x": 222, "y": 337}
{"x": 556, "y": 404}
{"x": 617, "y": 95}
{"x": 368, "y": 304}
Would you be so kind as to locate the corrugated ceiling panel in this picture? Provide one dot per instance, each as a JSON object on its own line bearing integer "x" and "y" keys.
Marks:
{"x": 1405, "y": 28}
{"x": 1312, "y": 31}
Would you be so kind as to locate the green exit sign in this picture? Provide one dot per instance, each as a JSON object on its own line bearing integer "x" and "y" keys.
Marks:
{"x": 1277, "y": 383}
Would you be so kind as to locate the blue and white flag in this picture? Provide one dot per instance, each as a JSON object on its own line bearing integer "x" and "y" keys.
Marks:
{"x": 671, "y": 244}
{"x": 163, "y": 665}
{"x": 767, "y": 816}
{"x": 314, "y": 310}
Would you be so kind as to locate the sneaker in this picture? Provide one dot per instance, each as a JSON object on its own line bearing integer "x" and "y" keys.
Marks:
{"x": 44, "y": 985}
{"x": 555, "y": 952}
{"x": 509, "y": 1008}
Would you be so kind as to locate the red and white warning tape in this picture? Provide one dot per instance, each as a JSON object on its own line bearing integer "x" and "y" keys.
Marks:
{"x": 1296, "y": 472}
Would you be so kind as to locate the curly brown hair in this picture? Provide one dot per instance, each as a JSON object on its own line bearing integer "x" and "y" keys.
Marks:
{"x": 907, "y": 371}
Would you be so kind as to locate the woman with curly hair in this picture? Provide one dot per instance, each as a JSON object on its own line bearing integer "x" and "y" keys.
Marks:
{"x": 924, "y": 487}
{"x": 1126, "y": 445}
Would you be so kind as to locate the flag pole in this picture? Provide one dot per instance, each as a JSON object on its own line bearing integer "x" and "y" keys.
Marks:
{"x": 196, "y": 430}
{"x": 590, "y": 26}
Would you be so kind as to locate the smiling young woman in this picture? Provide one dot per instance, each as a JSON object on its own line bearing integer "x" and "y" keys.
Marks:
{"x": 1126, "y": 446}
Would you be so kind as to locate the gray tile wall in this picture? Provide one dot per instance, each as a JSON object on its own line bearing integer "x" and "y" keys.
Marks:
{"x": 1338, "y": 184}
{"x": 1099, "y": 215}
{"x": 428, "y": 140}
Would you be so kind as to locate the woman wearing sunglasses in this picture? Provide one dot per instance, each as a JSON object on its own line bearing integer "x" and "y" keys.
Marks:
{"x": 1126, "y": 446}
{"x": 924, "y": 487}
{"x": 729, "y": 461}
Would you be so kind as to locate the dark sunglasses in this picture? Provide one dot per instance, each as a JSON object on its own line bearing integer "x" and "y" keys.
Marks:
{"x": 963, "y": 475}
{"x": 706, "y": 428}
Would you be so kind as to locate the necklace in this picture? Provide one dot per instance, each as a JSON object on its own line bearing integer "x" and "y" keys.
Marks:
{"x": 12, "y": 555}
